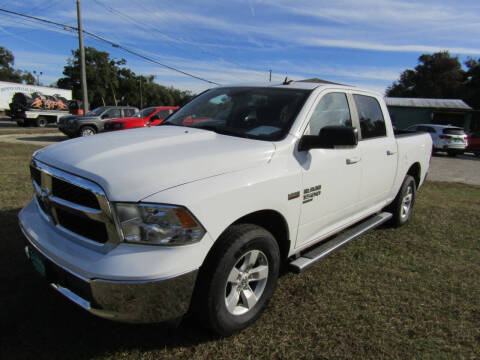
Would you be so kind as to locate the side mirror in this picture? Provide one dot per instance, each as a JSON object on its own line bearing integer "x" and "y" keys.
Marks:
{"x": 329, "y": 137}
{"x": 105, "y": 116}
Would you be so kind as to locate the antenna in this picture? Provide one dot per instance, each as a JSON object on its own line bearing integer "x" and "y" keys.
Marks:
{"x": 287, "y": 81}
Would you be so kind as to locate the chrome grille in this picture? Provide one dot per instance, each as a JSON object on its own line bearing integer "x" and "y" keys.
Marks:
{"x": 75, "y": 205}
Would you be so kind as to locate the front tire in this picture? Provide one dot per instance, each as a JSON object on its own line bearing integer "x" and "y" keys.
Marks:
{"x": 402, "y": 206}
{"x": 87, "y": 131}
{"x": 239, "y": 278}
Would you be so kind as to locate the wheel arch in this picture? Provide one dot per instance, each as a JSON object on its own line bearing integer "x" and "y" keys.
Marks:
{"x": 93, "y": 125}
{"x": 271, "y": 220}
{"x": 415, "y": 172}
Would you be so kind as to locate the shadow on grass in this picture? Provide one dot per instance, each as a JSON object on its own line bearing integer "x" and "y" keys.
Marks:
{"x": 44, "y": 138}
{"x": 36, "y": 322}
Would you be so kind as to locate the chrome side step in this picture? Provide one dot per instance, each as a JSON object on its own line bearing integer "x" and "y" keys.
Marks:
{"x": 315, "y": 254}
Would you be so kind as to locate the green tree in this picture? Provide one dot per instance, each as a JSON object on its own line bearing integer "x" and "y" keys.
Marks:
{"x": 472, "y": 84}
{"x": 110, "y": 82}
{"x": 8, "y": 73}
{"x": 439, "y": 75}
{"x": 102, "y": 77}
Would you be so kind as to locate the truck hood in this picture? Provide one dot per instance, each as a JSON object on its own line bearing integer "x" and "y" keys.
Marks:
{"x": 131, "y": 165}
{"x": 77, "y": 117}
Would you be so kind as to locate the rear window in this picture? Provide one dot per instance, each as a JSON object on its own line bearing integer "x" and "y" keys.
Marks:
{"x": 129, "y": 112}
{"x": 453, "y": 131}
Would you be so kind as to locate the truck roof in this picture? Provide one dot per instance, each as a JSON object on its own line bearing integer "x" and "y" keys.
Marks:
{"x": 301, "y": 85}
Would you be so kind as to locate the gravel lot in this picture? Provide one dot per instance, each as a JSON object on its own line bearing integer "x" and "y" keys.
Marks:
{"x": 463, "y": 169}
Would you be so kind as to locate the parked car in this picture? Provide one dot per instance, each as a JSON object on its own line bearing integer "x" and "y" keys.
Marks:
{"x": 143, "y": 227}
{"x": 447, "y": 138}
{"x": 93, "y": 121}
{"x": 474, "y": 143}
{"x": 151, "y": 116}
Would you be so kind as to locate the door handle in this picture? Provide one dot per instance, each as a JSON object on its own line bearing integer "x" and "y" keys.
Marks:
{"x": 353, "y": 160}
{"x": 390, "y": 153}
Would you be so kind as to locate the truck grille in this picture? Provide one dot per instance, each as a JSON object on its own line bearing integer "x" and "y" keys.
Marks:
{"x": 74, "y": 194}
{"x": 74, "y": 204}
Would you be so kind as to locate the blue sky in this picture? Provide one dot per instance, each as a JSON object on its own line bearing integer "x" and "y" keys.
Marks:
{"x": 360, "y": 42}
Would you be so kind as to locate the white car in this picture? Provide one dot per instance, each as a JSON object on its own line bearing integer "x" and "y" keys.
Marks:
{"x": 200, "y": 213}
{"x": 447, "y": 138}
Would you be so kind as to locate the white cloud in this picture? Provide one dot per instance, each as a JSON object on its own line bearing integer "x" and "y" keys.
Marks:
{"x": 360, "y": 45}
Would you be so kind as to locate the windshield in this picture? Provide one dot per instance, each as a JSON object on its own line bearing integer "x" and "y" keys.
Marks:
{"x": 96, "y": 112}
{"x": 145, "y": 112}
{"x": 251, "y": 112}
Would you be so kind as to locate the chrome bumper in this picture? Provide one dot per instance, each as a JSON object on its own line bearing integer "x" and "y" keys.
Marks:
{"x": 147, "y": 301}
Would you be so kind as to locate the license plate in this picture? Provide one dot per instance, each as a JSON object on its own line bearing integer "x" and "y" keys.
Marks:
{"x": 38, "y": 263}
{"x": 459, "y": 140}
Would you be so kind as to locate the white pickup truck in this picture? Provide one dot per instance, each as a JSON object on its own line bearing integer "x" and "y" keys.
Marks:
{"x": 199, "y": 214}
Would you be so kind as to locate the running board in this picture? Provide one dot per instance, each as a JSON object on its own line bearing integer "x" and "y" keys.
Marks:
{"x": 315, "y": 254}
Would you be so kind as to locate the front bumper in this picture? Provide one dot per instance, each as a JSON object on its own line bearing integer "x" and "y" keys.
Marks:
{"x": 143, "y": 301}
{"x": 68, "y": 129}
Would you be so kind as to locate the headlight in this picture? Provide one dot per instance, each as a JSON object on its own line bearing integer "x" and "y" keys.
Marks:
{"x": 158, "y": 224}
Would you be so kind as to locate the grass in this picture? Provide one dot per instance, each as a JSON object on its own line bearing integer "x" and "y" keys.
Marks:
{"x": 8, "y": 127}
{"x": 412, "y": 292}
{"x": 29, "y": 131}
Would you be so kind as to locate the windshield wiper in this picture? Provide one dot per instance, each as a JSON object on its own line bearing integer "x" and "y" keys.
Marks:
{"x": 224, "y": 131}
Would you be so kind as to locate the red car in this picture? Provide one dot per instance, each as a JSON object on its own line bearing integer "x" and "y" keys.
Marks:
{"x": 474, "y": 143}
{"x": 146, "y": 117}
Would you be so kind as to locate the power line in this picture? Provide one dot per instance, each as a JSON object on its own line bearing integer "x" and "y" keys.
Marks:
{"x": 115, "y": 45}
{"x": 172, "y": 40}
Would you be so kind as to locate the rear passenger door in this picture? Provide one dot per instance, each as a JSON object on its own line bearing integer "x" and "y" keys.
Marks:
{"x": 378, "y": 149}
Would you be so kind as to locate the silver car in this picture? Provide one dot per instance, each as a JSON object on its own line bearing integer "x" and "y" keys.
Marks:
{"x": 447, "y": 138}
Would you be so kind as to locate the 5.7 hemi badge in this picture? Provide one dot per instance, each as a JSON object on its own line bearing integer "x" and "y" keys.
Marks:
{"x": 310, "y": 193}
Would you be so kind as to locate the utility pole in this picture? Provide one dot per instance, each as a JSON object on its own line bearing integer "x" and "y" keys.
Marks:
{"x": 38, "y": 76}
{"x": 83, "y": 74}
{"x": 141, "y": 98}
{"x": 270, "y": 75}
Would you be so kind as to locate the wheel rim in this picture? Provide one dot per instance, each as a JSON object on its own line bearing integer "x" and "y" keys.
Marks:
{"x": 87, "y": 132}
{"x": 246, "y": 282}
{"x": 407, "y": 202}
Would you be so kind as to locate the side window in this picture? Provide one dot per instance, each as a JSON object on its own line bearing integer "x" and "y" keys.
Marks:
{"x": 372, "y": 123}
{"x": 331, "y": 110}
{"x": 113, "y": 113}
{"x": 162, "y": 114}
{"x": 129, "y": 112}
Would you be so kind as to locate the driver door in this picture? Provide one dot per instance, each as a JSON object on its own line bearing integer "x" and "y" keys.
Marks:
{"x": 331, "y": 177}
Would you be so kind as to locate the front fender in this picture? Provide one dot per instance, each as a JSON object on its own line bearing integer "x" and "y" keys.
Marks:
{"x": 219, "y": 201}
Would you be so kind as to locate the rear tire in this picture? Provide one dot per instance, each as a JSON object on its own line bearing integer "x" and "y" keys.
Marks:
{"x": 41, "y": 121}
{"x": 238, "y": 279}
{"x": 87, "y": 131}
{"x": 402, "y": 206}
